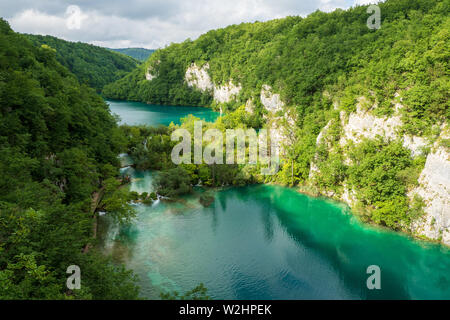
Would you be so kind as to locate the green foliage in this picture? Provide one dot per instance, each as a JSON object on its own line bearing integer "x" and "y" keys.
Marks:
{"x": 198, "y": 293}
{"x": 115, "y": 200}
{"x": 391, "y": 212}
{"x": 58, "y": 143}
{"x": 416, "y": 208}
{"x": 173, "y": 182}
{"x": 150, "y": 147}
{"x": 139, "y": 54}
{"x": 376, "y": 175}
{"x": 302, "y": 57}
{"x": 92, "y": 65}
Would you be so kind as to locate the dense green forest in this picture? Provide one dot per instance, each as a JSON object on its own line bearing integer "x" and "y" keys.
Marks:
{"x": 320, "y": 65}
{"x": 58, "y": 153}
{"x": 93, "y": 65}
{"x": 140, "y": 54}
{"x": 59, "y": 142}
{"x": 302, "y": 57}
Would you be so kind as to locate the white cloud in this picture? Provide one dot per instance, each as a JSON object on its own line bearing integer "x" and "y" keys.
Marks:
{"x": 365, "y": 2}
{"x": 37, "y": 22}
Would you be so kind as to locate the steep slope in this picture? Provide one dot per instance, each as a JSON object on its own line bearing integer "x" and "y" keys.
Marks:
{"x": 94, "y": 66}
{"x": 58, "y": 144}
{"x": 139, "y": 54}
{"x": 356, "y": 110}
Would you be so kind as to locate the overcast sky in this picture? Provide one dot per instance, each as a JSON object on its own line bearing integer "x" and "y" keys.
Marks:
{"x": 148, "y": 23}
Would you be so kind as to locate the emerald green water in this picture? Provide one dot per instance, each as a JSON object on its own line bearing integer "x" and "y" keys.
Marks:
{"x": 268, "y": 242}
{"x": 137, "y": 113}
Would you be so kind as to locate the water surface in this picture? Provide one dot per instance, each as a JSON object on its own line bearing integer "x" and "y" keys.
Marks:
{"x": 137, "y": 113}
{"x": 270, "y": 242}
{"x": 265, "y": 242}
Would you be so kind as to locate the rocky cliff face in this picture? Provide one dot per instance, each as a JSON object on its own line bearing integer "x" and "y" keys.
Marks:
{"x": 150, "y": 73}
{"x": 434, "y": 182}
{"x": 362, "y": 124}
{"x": 199, "y": 78}
{"x": 281, "y": 127}
{"x": 271, "y": 101}
{"x": 226, "y": 93}
{"x": 434, "y": 188}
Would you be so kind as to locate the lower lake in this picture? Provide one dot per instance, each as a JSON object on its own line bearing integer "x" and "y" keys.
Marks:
{"x": 267, "y": 242}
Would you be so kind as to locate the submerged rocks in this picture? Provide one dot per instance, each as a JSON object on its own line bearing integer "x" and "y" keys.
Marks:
{"x": 206, "y": 200}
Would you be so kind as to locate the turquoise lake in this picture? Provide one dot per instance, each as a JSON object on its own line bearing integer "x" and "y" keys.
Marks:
{"x": 270, "y": 242}
{"x": 137, "y": 113}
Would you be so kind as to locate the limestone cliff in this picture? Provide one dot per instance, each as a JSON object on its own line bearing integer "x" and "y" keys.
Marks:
{"x": 227, "y": 92}
{"x": 150, "y": 72}
{"x": 271, "y": 101}
{"x": 198, "y": 77}
{"x": 148, "y": 75}
{"x": 434, "y": 182}
{"x": 434, "y": 189}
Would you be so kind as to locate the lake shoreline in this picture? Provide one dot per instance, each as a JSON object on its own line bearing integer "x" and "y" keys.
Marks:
{"x": 174, "y": 244}
{"x": 359, "y": 216}
{"x": 153, "y": 233}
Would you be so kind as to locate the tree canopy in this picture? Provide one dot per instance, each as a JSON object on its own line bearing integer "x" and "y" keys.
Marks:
{"x": 92, "y": 65}
{"x": 58, "y": 145}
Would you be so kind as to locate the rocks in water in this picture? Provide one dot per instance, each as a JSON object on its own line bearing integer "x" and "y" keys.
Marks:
{"x": 147, "y": 201}
{"x": 144, "y": 198}
{"x": 206, "y": 200}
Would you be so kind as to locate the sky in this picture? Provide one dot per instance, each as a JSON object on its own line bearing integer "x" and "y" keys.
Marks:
{"x": 148, "y": 24}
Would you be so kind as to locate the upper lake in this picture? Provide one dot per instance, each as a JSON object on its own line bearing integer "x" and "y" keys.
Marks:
{"x": 137, "y": 113}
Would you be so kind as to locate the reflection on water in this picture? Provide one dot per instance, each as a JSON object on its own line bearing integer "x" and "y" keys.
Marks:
{"x": 263, "y": 242}
{"x": 268, "y": 242}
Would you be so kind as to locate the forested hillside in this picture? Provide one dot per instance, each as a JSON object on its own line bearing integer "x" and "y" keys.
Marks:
{"x": 318, "y": 80}
{"x": 94, "y": 66}
{"x": 302, "y": 57}
{"x": 140, "y": 54}
{"x": 58, "y": 148}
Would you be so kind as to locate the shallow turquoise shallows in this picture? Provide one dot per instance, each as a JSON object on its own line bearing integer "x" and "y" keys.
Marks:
{"x": 137, "y": 113}
{"x": 270, "y": 242}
